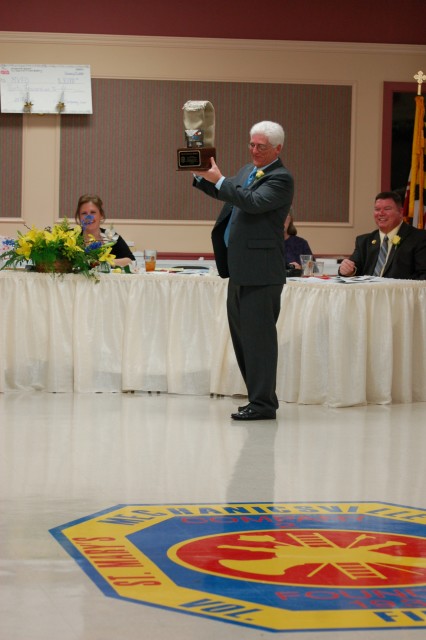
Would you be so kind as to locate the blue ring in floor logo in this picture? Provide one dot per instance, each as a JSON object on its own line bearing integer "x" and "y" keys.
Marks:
{"x": 271, "y": 566}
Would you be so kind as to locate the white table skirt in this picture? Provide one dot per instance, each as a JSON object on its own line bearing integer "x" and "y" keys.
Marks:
{"x": 339, "y": 344}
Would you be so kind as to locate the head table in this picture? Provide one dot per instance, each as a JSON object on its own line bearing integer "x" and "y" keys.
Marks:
{"x": 340, "y": 344}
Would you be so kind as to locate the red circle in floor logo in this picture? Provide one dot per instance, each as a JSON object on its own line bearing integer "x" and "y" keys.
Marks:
{"x": 310, "y": 557}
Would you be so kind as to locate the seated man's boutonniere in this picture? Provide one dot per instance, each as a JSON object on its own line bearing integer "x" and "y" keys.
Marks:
{"x": 259, "y": 174}
{"x": 374, "y": 242}
{"x": 396, "y": 241}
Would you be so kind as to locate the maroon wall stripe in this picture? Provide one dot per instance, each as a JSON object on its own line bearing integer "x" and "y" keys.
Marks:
{"x": 381, "y": 21}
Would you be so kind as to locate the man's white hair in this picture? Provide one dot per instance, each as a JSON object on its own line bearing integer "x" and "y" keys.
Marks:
{"x": 272, "y": 130}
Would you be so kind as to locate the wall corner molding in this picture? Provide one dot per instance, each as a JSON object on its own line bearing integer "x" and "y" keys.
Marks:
{"x": 79, "y": 39}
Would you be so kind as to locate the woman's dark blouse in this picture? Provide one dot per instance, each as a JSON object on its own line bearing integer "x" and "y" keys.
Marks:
{"x": 120, "y": 248}
{"x": 295, "y": 246}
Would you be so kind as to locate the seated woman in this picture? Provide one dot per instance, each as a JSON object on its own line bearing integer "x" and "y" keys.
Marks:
{"x": 90, "y": 214}
{"x": 295, "y": 246}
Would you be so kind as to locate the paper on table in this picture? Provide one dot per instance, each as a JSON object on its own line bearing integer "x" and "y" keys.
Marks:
{"x": 336, "y": 279}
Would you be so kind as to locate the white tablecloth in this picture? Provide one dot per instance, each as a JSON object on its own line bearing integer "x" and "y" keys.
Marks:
{"x": 339, "y": 344}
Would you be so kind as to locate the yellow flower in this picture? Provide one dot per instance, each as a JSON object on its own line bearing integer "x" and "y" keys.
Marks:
{"x": 24, "y": 248}
{"x": 71, "y": 243}
{"x": 107, "y": 256}
{"x": 48, "y": 236}
{"x": 259, "y": 174}
{"x": 396, "y": 240}
{"x": 32, "y": 235}
{"x": 373, "y": 241}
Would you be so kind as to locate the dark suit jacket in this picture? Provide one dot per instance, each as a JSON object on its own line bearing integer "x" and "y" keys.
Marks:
{"x": 256, "y": 254}
{"x": 406, "y": 261}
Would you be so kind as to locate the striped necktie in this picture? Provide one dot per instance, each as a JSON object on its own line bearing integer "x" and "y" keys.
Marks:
{"x": 247, "y": 183}
{"x": 381, "y": 260}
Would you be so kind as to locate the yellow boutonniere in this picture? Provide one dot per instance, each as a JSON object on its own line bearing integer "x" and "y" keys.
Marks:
{"x": 259, "y": 174}
{"x": 396, "y": 240}
{"x": 373, "y": 241}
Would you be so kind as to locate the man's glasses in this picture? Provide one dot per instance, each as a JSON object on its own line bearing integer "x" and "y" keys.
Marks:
{"x": 260, "y": 147}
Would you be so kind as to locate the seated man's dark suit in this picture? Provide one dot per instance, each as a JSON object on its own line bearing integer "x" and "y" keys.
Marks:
{"x": 407, "y": 260}
{"x": 255, "y": 263}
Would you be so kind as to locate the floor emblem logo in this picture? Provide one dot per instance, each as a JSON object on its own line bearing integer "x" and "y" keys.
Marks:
{"x": 271, "y": 566}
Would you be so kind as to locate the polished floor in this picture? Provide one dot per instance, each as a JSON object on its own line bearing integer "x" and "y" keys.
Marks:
{"x": 67, "y": 456}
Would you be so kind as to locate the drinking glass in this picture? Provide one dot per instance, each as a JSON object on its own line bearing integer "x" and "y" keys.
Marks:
{"x": 307, "y": 262}
{"x": 318, "y": 268}
{"x": 150, "y": 257}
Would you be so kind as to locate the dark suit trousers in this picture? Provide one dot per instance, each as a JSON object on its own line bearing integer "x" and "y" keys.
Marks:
{"x": 252, "y": 314}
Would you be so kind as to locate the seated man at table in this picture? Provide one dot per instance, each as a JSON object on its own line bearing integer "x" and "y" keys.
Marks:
{"x": 394, "y": 250}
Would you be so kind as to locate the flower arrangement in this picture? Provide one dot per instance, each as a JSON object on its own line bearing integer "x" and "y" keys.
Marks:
{"x": 61, "y": 249}
{"x": 259, "y": 174}
{"x": 396, "y": 240}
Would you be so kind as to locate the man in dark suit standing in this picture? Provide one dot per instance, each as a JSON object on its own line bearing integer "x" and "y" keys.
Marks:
{"x": 394, "y": 250}
{"x": 248, "y": 243}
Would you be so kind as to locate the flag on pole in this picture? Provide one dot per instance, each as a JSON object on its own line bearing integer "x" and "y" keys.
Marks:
{"x": 415, "y": 195}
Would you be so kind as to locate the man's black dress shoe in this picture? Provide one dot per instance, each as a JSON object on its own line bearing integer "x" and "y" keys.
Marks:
{"x": 243, "y": 407}
{"x": 250, "y": 414}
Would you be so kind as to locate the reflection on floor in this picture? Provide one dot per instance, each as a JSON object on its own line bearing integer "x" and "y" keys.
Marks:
{"x": 65, "y": 457}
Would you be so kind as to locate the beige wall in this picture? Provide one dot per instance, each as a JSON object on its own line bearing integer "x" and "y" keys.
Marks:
{"x": 365, "y": 67}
